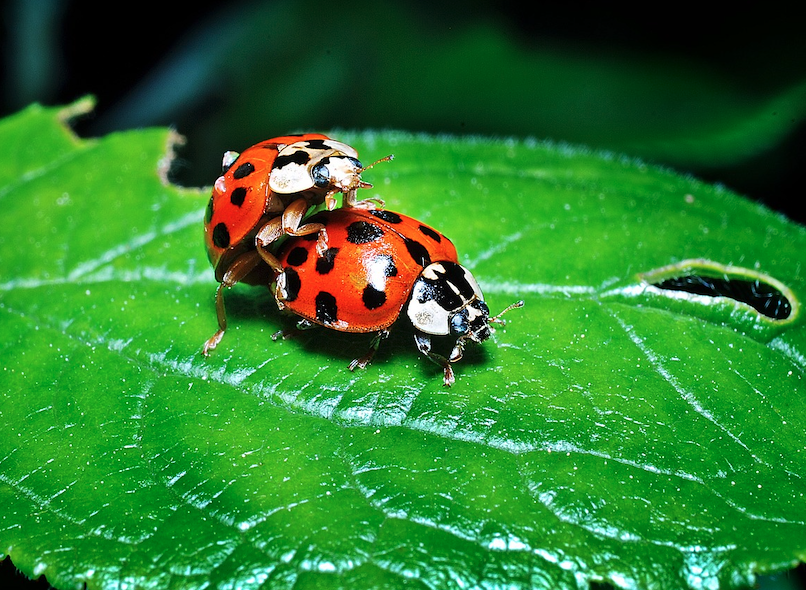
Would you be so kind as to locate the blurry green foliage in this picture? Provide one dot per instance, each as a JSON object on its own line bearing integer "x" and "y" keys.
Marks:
{"x": 255, "y": 70}
{"x": 718, "y": 95}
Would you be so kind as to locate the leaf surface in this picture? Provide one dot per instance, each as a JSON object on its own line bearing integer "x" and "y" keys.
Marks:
{"x": 613, "y": 431}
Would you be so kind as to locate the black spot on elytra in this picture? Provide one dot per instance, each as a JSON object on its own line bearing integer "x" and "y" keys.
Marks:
{"x": 418, "y": 252}
{"x": 326, "y": 308}
{"x": 221, "y": 236}
{"x": 372, "y": 297}
{"x": 389, "y": 269}
{"x": 292, "y": 284}
{"x": 297, "y": 256}
{"x": 297, "y": 157}
{"x": 243, "y": 170}
{"x": 387, "y": 216}
{"x": 324, "y": 264}
{"x": 363, "y": 232}
{"x": 238, "y": 196}
{"x": 208, "y": 214}
{"x": 431, "y": 233}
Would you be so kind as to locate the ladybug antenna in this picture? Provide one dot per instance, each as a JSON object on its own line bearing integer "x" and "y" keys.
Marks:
{"x": 496, "y": 319}
{"x": 357, "y": 183}
{"x": 388, "y": 158}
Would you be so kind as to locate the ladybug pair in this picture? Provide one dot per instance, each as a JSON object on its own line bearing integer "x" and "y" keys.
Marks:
{"x": 352, "y": 269}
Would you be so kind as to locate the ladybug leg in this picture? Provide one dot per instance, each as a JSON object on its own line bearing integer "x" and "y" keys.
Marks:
{"x": 277, "y": 227}
{"x": 213, "y": 341}
{"x": 321, "y": 241}
{"x": 265, "y": 237}
{"x": 369, "y": 204}
{"x": 458, "y": 351}
{"x": 237, "y": 271}
{"x": 301, "y": 326}
{"x": 363, "y": 361}
{"x": 424, "y": 346}
{"x": 349, "y": 199}
{"x": 292, "y": 220}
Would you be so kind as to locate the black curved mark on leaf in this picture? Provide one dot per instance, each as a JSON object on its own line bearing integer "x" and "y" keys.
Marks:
{"x": 762, "y": 297}
{"x": 768, "y": 296}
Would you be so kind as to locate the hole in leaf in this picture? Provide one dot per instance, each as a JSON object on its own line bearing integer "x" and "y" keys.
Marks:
{"x": 766, "y": 295}
{"x": 762, "y": 297}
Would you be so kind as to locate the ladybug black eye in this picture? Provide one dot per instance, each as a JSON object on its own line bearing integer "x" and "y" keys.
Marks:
{"x": 459, "y": 324}
{"x": 320, "y": 175}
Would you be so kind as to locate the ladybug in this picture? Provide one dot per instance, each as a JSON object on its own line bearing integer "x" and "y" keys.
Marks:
{"x": 263, "y": 194}
{"x": 377, "y": 263}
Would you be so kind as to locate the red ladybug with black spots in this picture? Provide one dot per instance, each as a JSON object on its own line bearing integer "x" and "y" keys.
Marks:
{"x": 263, "y": 194}
{"x": 377, "y": 263}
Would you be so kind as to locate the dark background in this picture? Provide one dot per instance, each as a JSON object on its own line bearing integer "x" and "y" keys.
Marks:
{"x": 227, "y": 74}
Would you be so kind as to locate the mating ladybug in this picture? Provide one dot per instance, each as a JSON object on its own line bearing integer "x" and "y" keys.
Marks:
{"x": 263, "y": 194}
{"x": 377, "y": 263}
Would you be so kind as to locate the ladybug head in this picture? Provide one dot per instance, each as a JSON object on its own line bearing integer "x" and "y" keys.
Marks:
{"x": 446, "y": 300}
{"x": 338, "y": 172}
{"x": 472, "y": 322}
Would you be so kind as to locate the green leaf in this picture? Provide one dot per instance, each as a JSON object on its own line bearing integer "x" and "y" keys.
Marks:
{"x": 616, "y": 430}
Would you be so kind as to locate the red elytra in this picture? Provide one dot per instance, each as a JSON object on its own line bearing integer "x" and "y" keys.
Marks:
{"x": 241, "y": 198}
{"x": 364, "y": 278}
{"x": 378, "y": 263}
{"x": 263, "y": 194}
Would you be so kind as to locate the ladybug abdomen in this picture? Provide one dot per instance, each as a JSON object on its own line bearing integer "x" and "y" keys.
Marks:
{"x": 363, "y": 280}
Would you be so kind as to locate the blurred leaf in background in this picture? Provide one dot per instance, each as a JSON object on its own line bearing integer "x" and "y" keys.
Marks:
{"x": 724, "y": 98}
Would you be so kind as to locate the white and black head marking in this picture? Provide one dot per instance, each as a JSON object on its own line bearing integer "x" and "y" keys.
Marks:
{"x": 320, "y": 163}
{"x": 342, "y": 172}
{"x": 446, "y": 299}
